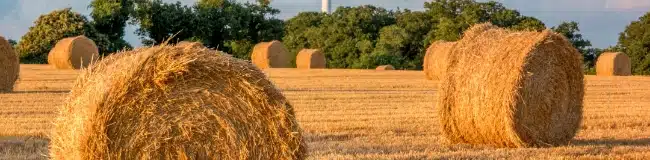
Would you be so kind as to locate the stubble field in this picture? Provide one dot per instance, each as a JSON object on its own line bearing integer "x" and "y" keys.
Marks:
{"x": 364, "y": 114}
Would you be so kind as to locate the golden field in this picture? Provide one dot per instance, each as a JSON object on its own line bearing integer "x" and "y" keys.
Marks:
{"x": 364, "y": 114}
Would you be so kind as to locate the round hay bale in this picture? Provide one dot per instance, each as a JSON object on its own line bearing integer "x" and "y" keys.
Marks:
{"x": 271, "y": 55}
{"x": 190, "y": 44}
{"x": 478, "y": 29}
{"x": 175, "y": 102}
{"x": 512, "y": 89}
{"x": 311, "y": 58}
{"x": 73, "y": 53}
{"x": 9, "y": 66}
{"x": 435, "y": 60}
{"x": 385, "y": 67}
{"x": 613, "y": 64}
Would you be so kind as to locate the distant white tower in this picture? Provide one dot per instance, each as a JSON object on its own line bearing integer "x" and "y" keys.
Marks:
{"x": 326, "y": 6}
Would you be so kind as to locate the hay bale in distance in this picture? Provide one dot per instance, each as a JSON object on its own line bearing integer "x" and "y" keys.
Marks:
{"x": 435, "y": 60}
{"x": 175, "y": 102}
{"x": 613, "y": 64}
{"x": 271, "y": 55}
{"x": 310, "y": 58}
{"x": 9, "y": 66}
{"x": 512, "y": 89}
{"x": 190, "y": 43}
{"x": 385, "y": 67}
{"x": 73, "y": 53}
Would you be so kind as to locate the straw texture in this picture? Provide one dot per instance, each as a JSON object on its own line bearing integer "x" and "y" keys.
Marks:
{"x": 385, "y": 67}
{"x": 512, "y": 89}
{"x": 271, "y": 55}
{"x": 435, "y": 60}
{"x": 175, "y": 102}
{"x": 190, "y": 43}
{"x": 310, "y": 58}
{"x": 613, "y": 64}
{"x": 9, "y": 66}
{"x": 73, "y": 53}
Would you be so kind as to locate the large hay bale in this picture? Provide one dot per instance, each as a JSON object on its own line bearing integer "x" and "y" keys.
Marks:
{"x": 271, "y": 55}
{"x": 310, "y": 58}
{"x": 435, "y": 60}
{"x": 175, "y": 102}
{"x": 73, "y": 53}
{"x": 512, "y": 89}
{"x": 9, "y": 66}
{"x": 385, "y": 67}
{"x": 613, "y": 64}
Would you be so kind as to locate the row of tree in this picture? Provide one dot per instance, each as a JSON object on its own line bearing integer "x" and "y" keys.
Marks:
{"x": 351, "y": 37}
{"x": 223, "y": 24}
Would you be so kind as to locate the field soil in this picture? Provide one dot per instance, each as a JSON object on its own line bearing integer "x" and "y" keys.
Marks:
{"x": 364, "y": 114}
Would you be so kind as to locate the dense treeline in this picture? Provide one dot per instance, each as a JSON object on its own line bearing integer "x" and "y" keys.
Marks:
{"x": 367, "y": 36}
{"x": 223, "y": 24}
{"x": 351, "y": 37}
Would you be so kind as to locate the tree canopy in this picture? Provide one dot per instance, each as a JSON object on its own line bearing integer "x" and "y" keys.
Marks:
{"x": 635, "y": 42}
{"x": 352, "y": 37}
{"x": 570, "y": 31}
{"x": 222, "y": 24}
{"x": 13, "y": 43}
{"x": 110, "y": 18}
{"x": 49, "y": 28}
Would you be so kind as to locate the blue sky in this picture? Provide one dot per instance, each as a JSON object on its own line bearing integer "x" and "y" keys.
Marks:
{"x": 600, "y": 20}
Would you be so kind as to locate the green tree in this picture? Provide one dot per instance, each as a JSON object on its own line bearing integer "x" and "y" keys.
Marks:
{"x": 213, "y": 20}
{"x": 590, "y": 62}
{"x": 392, "y": 39}
{"x": 392, "y": 43}
{"x": 455, "y": 16}
{"x": 296, "y": 29}
{"x": 417, "y": 26}
{"x": 570, "y": 30}
{"x": 13, "y": 43}
{"x": 235, "y": 27}
{"x": 635, "y": 42}
{"x": 529, "y": 24}
{"x": 240, "y": 48}
{"x": 445, "y": 20}
{"x": 376, "y": 58}
{"x": 221, "y": 24}
{"x": 110, "y": 18}
{"x": 344, "y": 36}
{"x": 49, "y": 28}
{"x": 160, "y": 22}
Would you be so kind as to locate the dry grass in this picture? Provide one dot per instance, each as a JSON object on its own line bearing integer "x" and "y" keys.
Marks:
{"x": 366, "y": 114}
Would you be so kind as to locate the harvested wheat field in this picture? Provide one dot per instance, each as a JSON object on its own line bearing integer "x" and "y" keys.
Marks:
{"x": 364, "y": 114}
